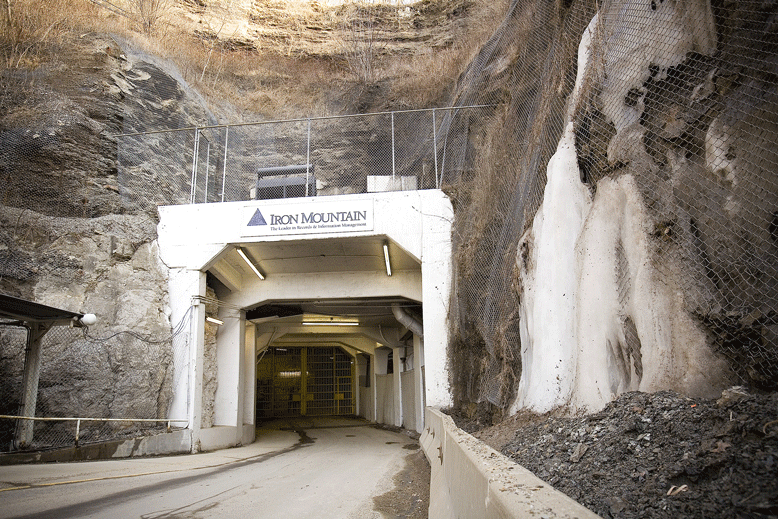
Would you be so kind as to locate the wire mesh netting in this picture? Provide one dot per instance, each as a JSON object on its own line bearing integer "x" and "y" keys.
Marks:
{"x": 681, "y": 98}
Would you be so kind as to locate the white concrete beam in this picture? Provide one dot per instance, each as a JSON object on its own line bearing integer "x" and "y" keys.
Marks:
{"x": 229, "y": 276}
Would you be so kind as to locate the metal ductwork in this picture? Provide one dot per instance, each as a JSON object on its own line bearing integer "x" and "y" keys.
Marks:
{"x": 407, "y": 320}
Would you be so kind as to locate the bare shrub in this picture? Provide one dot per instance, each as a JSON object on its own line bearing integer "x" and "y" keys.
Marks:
{"x": 149, "y": 13}
{"x": 360, "y": 40}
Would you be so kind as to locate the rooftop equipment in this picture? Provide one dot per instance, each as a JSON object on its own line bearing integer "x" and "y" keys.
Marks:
{"x": 285, "y": 182}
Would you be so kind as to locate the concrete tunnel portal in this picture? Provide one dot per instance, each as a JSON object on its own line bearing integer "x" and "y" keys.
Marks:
{"x": 308, "y": 307}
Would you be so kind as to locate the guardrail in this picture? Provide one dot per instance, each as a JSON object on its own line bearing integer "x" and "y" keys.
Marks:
{"x": 78, "y": 421}
{"x": 470, "y": 479}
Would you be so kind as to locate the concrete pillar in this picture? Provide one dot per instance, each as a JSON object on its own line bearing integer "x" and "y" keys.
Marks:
{"x": 418, "y": 381}
{"x": 372, "y": 375}
{"x": 398, "y": 387}
{"x": 250, "y": 381}
{"x": 242, "y": 382}
{"x": 184, "y": 284}
{"x": 197, "y": 349}
{"x": 230, "y": 341}
{"x": 32, "y": 373}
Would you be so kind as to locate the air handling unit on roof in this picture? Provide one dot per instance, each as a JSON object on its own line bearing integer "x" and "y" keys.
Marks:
{"x": 284, "y": 182}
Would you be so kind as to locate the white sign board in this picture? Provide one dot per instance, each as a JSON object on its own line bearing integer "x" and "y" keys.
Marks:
{"x": 306, "y": 217}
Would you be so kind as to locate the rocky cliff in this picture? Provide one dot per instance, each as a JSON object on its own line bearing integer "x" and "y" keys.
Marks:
{"x": 619, "y": 233}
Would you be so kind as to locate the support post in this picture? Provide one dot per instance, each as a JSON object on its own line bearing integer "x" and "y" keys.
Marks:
{"x": 398, "y": 386}
{"x": 207, "y": 168}
{"x": 193, "y": 190}
{"x": 373, "y": 387}
{"x": 435, "y": 147}
{"x": 418, "y": 381}
{"x": 224, "y": 164}
{"x": 308, "y": 161}
{"x": 393, "y": 167}
{"x": 197, "y": 359}
{"x": 32, "y": 372}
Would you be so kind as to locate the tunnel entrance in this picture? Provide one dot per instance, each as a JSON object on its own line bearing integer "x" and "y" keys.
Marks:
{"x": 318, "y": 318}
{"x": 305, "y": 381}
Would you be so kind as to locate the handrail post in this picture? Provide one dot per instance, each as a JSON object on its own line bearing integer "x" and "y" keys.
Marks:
{"x": 78, "y": 430}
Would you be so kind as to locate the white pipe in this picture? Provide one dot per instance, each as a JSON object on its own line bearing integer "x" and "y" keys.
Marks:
{"x": 407, "y": 320}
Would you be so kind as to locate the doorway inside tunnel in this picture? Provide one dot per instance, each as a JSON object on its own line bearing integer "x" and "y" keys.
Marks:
{"x": 305, "y": 381}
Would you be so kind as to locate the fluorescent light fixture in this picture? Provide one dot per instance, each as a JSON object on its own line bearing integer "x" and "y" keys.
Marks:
{"x": 386, "y": 259}
{"x": 249, "y": 262}
{"x": 213, "y": 320}
{"x": 330, "y": 323}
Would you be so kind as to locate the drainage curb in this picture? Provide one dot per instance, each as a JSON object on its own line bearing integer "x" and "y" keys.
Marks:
{"x": 470, "y": 479}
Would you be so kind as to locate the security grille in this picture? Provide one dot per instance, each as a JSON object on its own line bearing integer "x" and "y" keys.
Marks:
{"x": 305, "y": 381}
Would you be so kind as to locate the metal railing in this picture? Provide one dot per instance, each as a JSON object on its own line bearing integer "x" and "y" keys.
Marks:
{"x": 357, "y": 153}
{"x": 78, "y": 421}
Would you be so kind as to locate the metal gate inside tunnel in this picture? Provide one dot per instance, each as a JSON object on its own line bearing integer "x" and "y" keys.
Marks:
{"x": 305, "y": 381}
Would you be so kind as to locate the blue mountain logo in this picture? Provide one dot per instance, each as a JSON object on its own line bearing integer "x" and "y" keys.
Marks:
{"x": 257, "y": 220}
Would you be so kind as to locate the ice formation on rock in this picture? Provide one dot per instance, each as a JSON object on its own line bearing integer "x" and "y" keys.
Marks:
{"x": 548, "y": 302}
{"x": 596, "y": 317}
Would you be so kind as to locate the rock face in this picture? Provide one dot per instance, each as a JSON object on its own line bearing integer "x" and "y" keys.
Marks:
{"x": 122, "y": 367}
{"x": 72, "y": 237}
{"x": 57, "y": 126}
{"x": 654, "y": 264}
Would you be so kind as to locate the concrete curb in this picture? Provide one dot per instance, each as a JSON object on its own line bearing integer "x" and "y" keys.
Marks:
{"x": 471, "y": 480}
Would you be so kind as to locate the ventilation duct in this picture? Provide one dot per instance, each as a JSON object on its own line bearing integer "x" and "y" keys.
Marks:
{"x": 407, "y": 320}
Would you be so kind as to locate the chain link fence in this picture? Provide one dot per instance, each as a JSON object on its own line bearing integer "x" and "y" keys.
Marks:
{"x": 105, "y": 382}
{"x": 390, "y": 151}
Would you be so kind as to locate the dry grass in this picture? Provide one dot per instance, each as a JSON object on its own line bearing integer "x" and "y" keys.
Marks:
{"x": 274, "y": 58}
{"x": 30, "y": 27}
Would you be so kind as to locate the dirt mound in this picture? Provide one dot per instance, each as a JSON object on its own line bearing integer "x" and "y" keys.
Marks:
{"x": 660, "y": 455}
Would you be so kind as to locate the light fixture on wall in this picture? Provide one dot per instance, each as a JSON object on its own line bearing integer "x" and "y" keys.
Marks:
{"x": 386, "y": 258}
{"x": 250, "y": 263}
{"x": 214, "y": 320}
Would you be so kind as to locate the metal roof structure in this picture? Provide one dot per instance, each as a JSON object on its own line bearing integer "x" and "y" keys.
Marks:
{"x": 29, "y": 311}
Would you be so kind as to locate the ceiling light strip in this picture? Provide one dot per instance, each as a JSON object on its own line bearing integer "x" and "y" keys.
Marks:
{"x": 329, "y": 323}
{"x": 249, "y": 263}
{"x": 386, "y": 259}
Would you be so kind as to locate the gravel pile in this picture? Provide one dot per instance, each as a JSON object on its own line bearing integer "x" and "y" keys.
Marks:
{"x": 662, "y": 455}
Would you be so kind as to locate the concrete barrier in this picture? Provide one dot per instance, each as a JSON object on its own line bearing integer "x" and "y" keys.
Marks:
{"x": 470, "y": 480}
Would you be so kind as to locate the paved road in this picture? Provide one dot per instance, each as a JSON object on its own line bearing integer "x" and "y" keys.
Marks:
{"x": 327, "y": 469}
